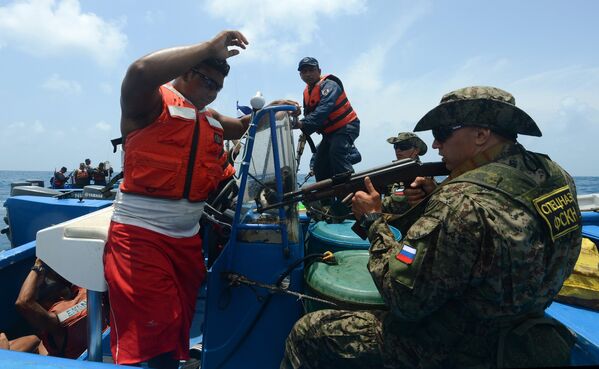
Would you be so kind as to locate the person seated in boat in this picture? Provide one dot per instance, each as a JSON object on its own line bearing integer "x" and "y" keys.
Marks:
{"x": 99, "y": 174}
{"x": 90, "y": 169}
{"x": 407, "y": 145}
{"x": 482, "y": 256}
{"x": 59, "y": 179}
{"x": 153, "y": 260}
{"x": 81, "y": 176}
{"x": 56, "y": 309}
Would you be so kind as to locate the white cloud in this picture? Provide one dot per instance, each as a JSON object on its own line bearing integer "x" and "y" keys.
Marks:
{"x": 59, "y": 27}
{"x": 103, "y": 126}
{"x": 68, "y": 145}
{"x": 283, "y": 26}
{"x": 23, "y": 128}
{"x": 384, "y": 106}
{"x": 38, "y": 128}
{"x": 21, "y": 133}
{"x": 563, "y": 102}
{"x": 55, "y": 83}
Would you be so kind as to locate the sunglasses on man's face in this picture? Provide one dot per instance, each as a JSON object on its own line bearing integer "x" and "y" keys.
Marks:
{"x": 442, "y": 133}
{"x": 208, "y": 82}
{"x": 403, "y": 146}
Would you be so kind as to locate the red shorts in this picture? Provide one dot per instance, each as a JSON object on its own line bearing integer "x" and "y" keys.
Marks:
{"x": 153, "y": 281}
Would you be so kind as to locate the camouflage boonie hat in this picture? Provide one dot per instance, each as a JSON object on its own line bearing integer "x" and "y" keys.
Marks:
{"x": 480, "y": 106}
{"x": 410, "y": 137}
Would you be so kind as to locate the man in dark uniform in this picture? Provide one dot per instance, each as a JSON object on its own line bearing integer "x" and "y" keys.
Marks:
{"x": 482, "y": 255}
{"x": 327, "y": 111}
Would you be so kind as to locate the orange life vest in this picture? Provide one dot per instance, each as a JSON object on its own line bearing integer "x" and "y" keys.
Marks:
{"x": 81, "y": 174}
{"x": 99, "y": 175}
{"x": 228, "y": 172}
{"x": 71, "y": 315}
{"x": 58, "y": 182}
{"x": 342, "y": 113}
{"x": 179, "y": 155}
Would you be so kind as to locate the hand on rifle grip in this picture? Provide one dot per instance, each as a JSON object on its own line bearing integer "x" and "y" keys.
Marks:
{"x": 419, "y": 189}
{"x": 366, "y": 202}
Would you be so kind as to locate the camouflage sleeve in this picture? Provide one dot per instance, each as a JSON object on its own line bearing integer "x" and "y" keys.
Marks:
{"x": 395, "y": 204}
{"x": 394, "y": 200}
{"x": 433, "y": 262}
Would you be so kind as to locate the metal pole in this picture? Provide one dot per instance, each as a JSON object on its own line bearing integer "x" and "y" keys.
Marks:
{"x": 94, "y": 325}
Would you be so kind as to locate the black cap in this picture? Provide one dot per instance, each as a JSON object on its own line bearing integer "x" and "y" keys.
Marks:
{"x": 308, "y": 60}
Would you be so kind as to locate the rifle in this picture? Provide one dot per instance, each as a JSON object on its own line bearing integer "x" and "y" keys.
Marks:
{"x": 344, "y": 184}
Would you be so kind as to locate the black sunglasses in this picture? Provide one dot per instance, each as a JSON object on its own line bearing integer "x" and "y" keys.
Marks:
{"x": 208, "y": 82}
{"x": 402, "y": 146}
{"x": 442, "y": 133}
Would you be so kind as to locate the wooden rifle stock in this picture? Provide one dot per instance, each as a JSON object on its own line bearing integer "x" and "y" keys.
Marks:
{"x": 341, "y": 185}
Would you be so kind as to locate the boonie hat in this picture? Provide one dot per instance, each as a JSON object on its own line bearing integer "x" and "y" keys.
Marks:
{"x": 308, "y": 60}
{"x": 412, "y": 138}
{"x": 480, "y": 106}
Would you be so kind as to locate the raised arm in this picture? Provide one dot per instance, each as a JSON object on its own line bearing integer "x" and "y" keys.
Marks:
{"x": 140, "y": 95}
{"x": 27, "y": 304}
{"x": 234, "y": 127}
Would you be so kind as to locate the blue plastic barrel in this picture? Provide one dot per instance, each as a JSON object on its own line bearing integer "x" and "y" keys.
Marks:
{"x": 337, "y": 237}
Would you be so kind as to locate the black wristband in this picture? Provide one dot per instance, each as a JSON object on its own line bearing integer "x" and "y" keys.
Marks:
{"x": 38, "y": 269}
{"x": 368, "y": 218}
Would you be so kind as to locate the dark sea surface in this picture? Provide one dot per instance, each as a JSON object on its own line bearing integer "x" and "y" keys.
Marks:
{"x": 585, "y": 185}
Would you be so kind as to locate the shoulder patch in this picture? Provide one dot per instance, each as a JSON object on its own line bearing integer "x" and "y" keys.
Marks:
{"x": 558, "y": 210}
{"x": 407, "y": 254}
{"x": 406, "y": 264}
{"x": 326, "y": 91}
{"x": 398, "y": 190}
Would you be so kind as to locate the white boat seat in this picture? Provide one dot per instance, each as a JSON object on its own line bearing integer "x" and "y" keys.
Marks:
{"x": 74, "y": 248}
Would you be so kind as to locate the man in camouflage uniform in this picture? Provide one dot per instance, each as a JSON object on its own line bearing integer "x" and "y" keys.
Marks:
{"x": 407, "y": 145}
{"x": 482, "y": 258}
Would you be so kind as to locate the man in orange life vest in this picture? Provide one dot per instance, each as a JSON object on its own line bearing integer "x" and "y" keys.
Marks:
{"x": 174, "y": 159}
{"x": 81, "y": 176}
{"x": 59, "y": 179}
{"x": 56, "y": 309}
{"x": 327, "y": 111}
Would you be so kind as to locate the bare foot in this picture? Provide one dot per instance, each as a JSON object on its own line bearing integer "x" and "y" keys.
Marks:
{"x": 4, "y": 344}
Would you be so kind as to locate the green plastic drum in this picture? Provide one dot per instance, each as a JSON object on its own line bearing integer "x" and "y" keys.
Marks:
{"x": 337, "y": 237}
{"x": 348, "y": 283}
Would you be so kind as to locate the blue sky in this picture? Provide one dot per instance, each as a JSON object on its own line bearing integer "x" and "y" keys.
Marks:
{"x": 62, "y": 63}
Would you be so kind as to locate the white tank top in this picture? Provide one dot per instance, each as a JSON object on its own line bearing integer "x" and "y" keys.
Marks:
{"x": 174, "y": 218}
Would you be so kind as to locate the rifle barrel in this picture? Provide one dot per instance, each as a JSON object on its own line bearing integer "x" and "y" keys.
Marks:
{"x": 405, "y": 170}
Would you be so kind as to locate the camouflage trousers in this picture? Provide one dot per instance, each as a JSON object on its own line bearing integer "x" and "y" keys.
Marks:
{"x": 355, "y": 339}
{"x": 374, "y": 339}
{"x": 334, "y": 339}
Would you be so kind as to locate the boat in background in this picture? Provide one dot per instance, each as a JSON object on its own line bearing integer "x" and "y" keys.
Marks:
{"x": 255, "y": 288}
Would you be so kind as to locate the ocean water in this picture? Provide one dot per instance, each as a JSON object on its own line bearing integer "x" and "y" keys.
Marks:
{"x": 585, "y": 185}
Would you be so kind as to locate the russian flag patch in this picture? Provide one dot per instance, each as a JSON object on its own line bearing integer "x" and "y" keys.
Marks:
{"x": 406, "y": 255}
